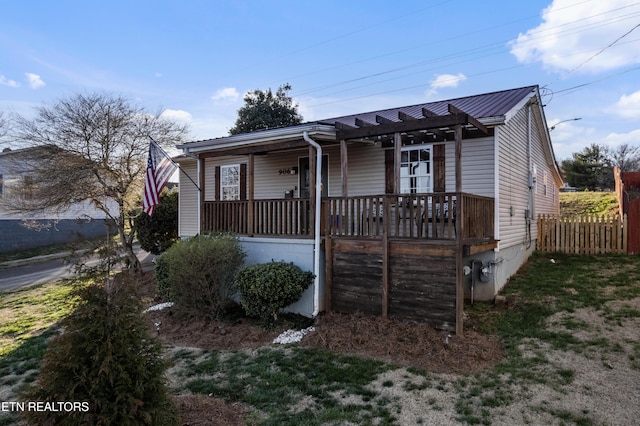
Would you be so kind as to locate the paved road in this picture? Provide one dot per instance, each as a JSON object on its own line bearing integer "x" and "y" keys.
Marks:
{"x": 48, "y": 270}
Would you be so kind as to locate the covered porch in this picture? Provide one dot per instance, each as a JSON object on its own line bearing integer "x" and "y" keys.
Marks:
{"x": 402, "y": 235}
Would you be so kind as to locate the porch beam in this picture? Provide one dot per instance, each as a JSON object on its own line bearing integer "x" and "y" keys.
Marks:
{"x": 383, "y": 120}
{"x": 403, "y": 116}
{"x": 403, "y": 126}
{"x": 428, "y": 113}
{"x": 470, "y": 119}
{"x": 361, "y": 123}
{"x": 255, "y": 149}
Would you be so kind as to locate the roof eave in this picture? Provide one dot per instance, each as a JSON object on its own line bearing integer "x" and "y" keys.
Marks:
{"x": 263, "y": 137}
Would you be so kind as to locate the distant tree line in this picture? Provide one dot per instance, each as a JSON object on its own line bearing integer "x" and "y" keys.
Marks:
{"x": 592, "y": 168}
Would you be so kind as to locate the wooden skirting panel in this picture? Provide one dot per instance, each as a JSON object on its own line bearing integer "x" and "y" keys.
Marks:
{"x": 356, "y": 276}
{"x": 421, "y": 279}
{"x": 423, "y": 286}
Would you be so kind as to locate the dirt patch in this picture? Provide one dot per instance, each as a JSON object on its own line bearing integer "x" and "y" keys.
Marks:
{"x": 402, "y": 343}
{"x": 201, "y": 410}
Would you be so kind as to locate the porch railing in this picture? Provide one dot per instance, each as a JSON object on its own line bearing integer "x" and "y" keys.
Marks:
{"x": 411, "y": 216}
{"x": 290, "y": 217}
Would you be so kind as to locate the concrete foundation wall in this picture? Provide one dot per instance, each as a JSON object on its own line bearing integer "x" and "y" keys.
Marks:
{"x": 298, "y": 251}
{"x": 501, "y": 265}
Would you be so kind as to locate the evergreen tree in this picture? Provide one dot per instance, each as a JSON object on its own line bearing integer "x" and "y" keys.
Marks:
{"x": 105, "y": 358}
{"x": 264, "y": 110}
{"x": 158, "y": 232}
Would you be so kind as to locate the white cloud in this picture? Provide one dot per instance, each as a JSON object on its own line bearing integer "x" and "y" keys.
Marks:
{"x": 176, "y": 114}
{"x": 572, "y": 33}
{"x": 228, "y": 93}
{"x": 7, "y": 82}
{"x": 443, "y": 81}
{"x": 447, "y": 80}
{"x": 628, "y": 106}
{"x": 35, "y": 82}
{"x": 615, "y": 139}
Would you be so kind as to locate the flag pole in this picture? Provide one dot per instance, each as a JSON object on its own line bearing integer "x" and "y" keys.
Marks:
{"x": 177, "y": 165}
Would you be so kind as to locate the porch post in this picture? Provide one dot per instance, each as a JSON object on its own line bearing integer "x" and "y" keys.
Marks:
{"x": 343, "y": 168}
{"x": 250, "y": 195}
{"x": 397, "y": 146}
{"x": 459, "y": 233}
{"x": 201, "y": 221}
{"x": 312, "y": 191}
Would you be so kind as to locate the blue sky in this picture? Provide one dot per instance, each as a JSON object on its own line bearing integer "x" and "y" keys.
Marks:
{"x": 196, "y": 59}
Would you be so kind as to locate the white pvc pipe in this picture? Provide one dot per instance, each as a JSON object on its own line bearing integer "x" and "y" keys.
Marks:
{"x": 316, "y": 248}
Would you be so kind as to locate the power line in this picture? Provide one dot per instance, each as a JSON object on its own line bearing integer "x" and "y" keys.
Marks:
{"x": 474, "y": 51}
{"x": 602, "y": 50}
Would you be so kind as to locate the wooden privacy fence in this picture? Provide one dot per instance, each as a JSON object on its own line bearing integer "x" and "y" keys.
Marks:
{"x": 588, "y": 234}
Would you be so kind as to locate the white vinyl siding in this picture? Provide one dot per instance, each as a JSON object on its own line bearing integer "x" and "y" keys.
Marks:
{"x": 477, "y": 167}
{"x": 188, "y": 199}
{"x": 514, "y": 181}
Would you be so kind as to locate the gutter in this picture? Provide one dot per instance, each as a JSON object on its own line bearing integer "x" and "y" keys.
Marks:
{"x": 316, "y": 247}
{"x": 262, "y": 137}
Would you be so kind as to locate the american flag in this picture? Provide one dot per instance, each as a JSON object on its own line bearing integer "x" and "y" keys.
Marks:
{"x": 160, "y": 167}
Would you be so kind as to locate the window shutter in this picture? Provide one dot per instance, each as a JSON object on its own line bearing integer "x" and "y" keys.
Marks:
{"x": 388, "y": 171}
{"x": 439, "y": 168}
{"x": 243, "y": 181}
{"x": 217, "y": 178}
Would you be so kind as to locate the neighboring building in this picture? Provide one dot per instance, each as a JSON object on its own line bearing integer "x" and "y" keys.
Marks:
{"x": 21, "y": 231}
{"x": 417, "y": 207}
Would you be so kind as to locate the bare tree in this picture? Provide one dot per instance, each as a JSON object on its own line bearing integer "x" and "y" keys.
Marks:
{"x": 4, "y": 128}
{"x": 94, "y": 147}
{"x": 625, "y": 156}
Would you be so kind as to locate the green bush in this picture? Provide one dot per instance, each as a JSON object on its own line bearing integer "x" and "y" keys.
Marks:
{"x": 159, "y": 232}
{"x": 107, "y": 359}
{"x": 268, "y": 287}
{"x": 198, "y": 274}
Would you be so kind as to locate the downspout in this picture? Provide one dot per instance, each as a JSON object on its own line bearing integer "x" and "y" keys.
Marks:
{"x": 316, "y": 247}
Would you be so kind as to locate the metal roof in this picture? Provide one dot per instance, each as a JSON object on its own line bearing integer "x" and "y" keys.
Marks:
{"x": 480, "y": 106}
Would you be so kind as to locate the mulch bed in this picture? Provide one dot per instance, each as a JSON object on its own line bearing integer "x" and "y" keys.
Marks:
{"x": 402, "y": 343}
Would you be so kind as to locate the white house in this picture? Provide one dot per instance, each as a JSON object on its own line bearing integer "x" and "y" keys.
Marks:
{"x": 403, "y": 212}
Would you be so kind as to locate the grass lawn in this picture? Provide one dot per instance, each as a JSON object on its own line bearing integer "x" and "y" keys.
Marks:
{"x": 579, "y": 203}
{"x": 566, "y": 318}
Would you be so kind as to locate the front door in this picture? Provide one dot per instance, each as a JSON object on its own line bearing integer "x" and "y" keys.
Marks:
{"x": 305, "y": 176}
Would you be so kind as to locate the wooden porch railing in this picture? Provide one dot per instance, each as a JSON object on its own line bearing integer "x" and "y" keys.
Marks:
{"x": 411, "y": 216}
{"x": 290, "y": 217}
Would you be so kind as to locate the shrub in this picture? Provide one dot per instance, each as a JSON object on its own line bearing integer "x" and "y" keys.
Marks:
{"x": 198, "y": 274}
{"x": 105, "y": 357}
{"x": 159, "y": 232}
{"x": 268, "y": 287}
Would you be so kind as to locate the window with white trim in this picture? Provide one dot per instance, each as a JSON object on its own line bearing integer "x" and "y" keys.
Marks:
{"x": 230, "y": 182}
{"x": 544, "y": 183}
{"x": 416, "y": 170}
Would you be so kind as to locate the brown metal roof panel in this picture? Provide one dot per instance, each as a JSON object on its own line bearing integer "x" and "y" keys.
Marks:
{"x": 483, "y": 105}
